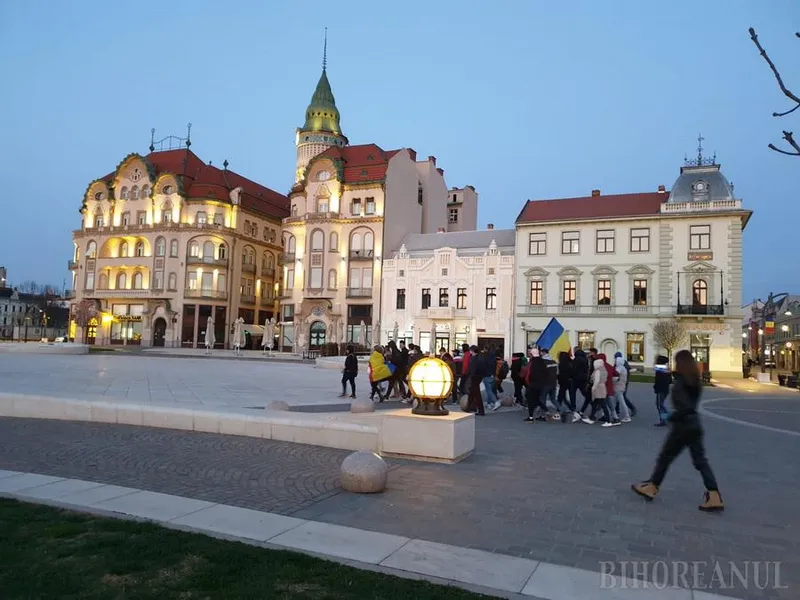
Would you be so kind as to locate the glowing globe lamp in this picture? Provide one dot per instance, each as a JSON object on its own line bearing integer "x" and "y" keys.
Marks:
{"x": 431, "y": 383}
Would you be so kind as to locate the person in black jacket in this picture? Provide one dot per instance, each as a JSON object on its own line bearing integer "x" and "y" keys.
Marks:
{"x": 350, "y": 372}
{"x": 478, "y": 369}
{"x": 517, "y": 362}
{"x": 663, "y": 379}
{"x": 580, "y": 379}
{"x": 535, "y": 376}
{"x": 685, "y": 430}
{"x": 566, "y": 388}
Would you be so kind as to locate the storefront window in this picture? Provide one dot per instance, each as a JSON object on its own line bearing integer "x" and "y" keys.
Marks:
{"x": 586, "y": 340}
{"x": 634, "y": 347}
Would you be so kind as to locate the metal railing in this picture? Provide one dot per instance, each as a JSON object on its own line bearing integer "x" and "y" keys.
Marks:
{"x": 359, "y": 292}
{"x": 201, "y": 293}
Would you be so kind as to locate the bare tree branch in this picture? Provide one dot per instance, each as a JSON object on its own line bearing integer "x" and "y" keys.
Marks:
{"x": 763, "y": 52}
{"x": 787, "y": 135}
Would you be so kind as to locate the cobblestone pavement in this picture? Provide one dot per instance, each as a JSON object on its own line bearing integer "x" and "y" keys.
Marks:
{"x": 161, "y": 380}
{"x": 545, "y": 491}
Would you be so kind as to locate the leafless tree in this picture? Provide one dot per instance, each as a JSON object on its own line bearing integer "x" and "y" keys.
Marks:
{"x": 787, "y": 135}
{"x": 670, "y": 334}
{"x": 85, "y": 311}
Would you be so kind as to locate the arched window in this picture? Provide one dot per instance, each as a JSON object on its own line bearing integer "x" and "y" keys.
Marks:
{"x": 369, "y": 241}
{"x": 173, "y": 248}
{"x": 194, "y": 249}
{"x": 166, "y": 212}
{"x": 103, "y": 281}
{"x": 123, "y": 193}
{"x": 356, "y": 242}
{"x": 140, "y": 248}
{"x": 700, "y": 293}
{"x": 145, "y": 191}
{"x": 290, "y": 244}
{"x": 91, "y": 250}
{"x": 98, "y": 217}
{"x": 222, "y": 252}
{"x": 137, "y": 281}
{"x": 123, "y": 250}
{"x": 135, "y": 192}
{"x": 317, "y": 241}
{"x": 122, "y": 281}
{"x": 332, "y": 279}
{"x": 173, "y": 281}
{"x": 208, "y": 251}
{"x": 334, "y": 245}
{"x": 161, "y": 246}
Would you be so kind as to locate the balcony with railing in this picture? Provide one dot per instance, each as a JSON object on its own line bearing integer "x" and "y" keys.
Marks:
{"x": 286, "y": 258}
{"x": 124, "y": 293}
{"x": 285, "y": 293}
{"x": 362, "y": 254}
{"x": 207, "y": 260}
{"x": 268, "y": 272}
{"x": 205, "y": 293}
{"x": 72, "y": 265}
{"x": 248, "y": 268}
{"x": 247, "y": 298}
{"x": 584, "y": 309}
{"x": 701, "y": 309}
{"x": 359, "y": 292}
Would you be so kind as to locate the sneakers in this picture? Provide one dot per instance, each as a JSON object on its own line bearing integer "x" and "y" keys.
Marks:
{"x": 626, "y": 420}
{"x": 342, "y": 395}
{"x": 529, "y": 420}
{"x": 660, "y": 424}
{"x": 496, "y": 406}
{"x": 542, "y": 418}
{"x": 576, "y": 417}
{"x": 608, "y": 424}
{"x": 646, "y": 489}
{"x": 587, "y": 420}
{"x": 615, "y": 422}
{"x": 712, "y": 502}
{"x": 353, "y": 396}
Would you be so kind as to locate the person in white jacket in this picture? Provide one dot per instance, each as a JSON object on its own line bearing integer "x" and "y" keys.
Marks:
{"x": 620, "y": 383}
{"x": 599, "y": 392}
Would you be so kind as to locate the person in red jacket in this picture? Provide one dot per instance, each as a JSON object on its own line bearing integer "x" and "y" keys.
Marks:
{"x": 464, "y": 382}
{"x": 610, "y": 398}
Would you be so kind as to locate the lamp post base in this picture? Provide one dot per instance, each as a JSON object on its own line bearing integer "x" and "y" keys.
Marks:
{"x": 430, "y": 408}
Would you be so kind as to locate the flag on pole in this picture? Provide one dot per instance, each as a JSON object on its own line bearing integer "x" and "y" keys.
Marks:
{"x": 554, "y": 338}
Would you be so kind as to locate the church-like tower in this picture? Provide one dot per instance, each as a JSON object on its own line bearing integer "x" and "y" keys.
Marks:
{"x": 321, "y": 129}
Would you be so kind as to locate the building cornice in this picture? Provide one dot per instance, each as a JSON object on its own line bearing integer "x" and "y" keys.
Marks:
{"x": 745, "y": 214}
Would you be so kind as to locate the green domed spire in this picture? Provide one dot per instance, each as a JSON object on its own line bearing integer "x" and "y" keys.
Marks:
{"x": 322, "y": 114}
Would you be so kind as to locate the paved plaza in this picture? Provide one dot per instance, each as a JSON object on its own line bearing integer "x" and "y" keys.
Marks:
{"x": 549, "y": 492}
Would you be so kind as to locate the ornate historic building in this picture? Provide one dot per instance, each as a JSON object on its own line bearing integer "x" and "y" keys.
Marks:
{"x": 167, "y": 241}
{"x": 609, "y": 266}
{"x": 350, "y": 206}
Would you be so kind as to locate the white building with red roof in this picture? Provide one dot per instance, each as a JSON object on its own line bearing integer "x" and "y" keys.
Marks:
{"x": 609, "y": 266}
{"x": 167, "y": 241}
{"x": 350, "y": 207}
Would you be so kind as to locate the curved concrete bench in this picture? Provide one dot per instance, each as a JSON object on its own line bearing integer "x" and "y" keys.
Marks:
{"x": 42, "y": 348}
{"x": 316, "y": 429}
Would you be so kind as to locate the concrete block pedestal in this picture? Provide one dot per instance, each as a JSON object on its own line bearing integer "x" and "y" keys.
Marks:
{"x": 447, "y": 439}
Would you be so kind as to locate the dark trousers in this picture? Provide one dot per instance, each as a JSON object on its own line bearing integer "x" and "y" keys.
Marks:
{"x": 397, "y": 381}
{"x": 475, "y": 403}
{"x": 518, "y": 391}
{"x": 566, "y": 396}
{"x": 661, "y": 398}
{"x": 583, "y": 388}
{"x": 680, "y": 436}
{"x": 534, "y": 398}
{"x": 377, "y": 390}
{"x": 351, "y": 377}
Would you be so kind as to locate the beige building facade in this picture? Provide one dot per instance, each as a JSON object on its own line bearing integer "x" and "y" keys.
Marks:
{"x": 349, "y": 207}
{"x": 167, "y": 241}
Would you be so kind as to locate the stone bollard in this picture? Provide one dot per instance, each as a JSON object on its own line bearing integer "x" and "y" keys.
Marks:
{"x": 362, "y": 405}
{"x": 364, "y": 472}
{"x": 278, "y": 405}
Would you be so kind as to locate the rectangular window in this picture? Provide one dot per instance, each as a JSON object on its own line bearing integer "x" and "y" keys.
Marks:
{"x": 401, "y": 273}
{"x": 316, "y": 278}
{"x": 126, "y": 219}
{"x": 288, "y": 313}
{"x": 453, "y": 217}
{"x": 444, "y": 297}
{"x": 586, "y": 340}
{"x": 294, "y": 210}
{"x": 640, "y": 240}
{"x": 604, "y": 292}
{"x": 369, "y": 206}
{"x": 420, "y": 194}
{"x": 355, "y": 206}
{"x": 401, "y": 299}
{"x": 158, "y": 280}
{"x": 202, "y": 218}
{"x": 605, "y": 241}
{"x": 167, "y": 216}
{"x": 173, "y": 281}
{"x": 316, "y": 259}
{"x": 700, "y": 237}
{"x": 491, "y": 270}
{"x": 491, "y": 298}
{"x": 571, "y": 242}
{"x": 322, "y": 205}
{"x": 98, "y": 221}
{"x": 537, "y": 289}
{"x": 461, "y": 299}
{"x": 219, "y": 219}
{"x": 141, "y": 217}
{"x": 537, "y": 244}
{"x": 355, "y": 279}
{"x": 207, "y": 281}
{"x": 426, "y": 298}
{"x": 634, "y": 345}
{"x": 289, "y": 279}
{"x": 192, "y": 280}
{"x": 89, "y": 281}
{"x": 570, "y": 292}
{"x": 640, "y": 292}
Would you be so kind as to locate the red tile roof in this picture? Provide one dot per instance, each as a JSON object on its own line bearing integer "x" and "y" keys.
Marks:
{"x": 592, "y": 207}
{"x": 201, "y": 180}
{"x": 365, "y": 162}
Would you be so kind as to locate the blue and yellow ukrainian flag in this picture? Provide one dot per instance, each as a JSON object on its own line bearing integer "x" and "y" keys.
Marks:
{"x": 554, "y": 338}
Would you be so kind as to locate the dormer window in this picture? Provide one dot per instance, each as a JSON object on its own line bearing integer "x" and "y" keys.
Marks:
{"x": 323, "y": 176}
{"x": 98, "y": 196}
{"x": 167, "y": 189}
{"x": 136, "y": 175}
{"x": 700, "y": 190}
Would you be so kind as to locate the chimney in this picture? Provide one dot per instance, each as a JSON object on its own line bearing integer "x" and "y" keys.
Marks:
{"x": 441, "y": 171}
{"x": 440, "y": 230}
{"x": 432, "y": 159}
{"x": 490, "y": 226}
{"x": 662, "y": 189}
{"x": 595, "y": 193}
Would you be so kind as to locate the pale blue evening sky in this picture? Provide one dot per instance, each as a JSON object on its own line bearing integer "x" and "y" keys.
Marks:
{"x": 524, "y": 99}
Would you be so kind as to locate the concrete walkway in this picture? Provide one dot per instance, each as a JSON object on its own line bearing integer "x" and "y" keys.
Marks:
{"x": 476, "y": 570}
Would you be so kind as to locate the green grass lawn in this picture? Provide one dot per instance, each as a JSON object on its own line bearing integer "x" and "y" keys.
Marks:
{"x": 51, "y": 553}
{"x": 641, "y": 378}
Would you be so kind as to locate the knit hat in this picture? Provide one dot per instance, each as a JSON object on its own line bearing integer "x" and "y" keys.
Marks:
{"x": 618, "y": 354}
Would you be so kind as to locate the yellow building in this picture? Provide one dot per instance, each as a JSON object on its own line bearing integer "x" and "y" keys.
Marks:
{"x": 167, "y": 241}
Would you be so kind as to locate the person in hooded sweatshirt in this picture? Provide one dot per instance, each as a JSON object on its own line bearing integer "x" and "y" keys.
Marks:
{"x": 631, "y": 406}
{"x": 580, "y": 380}
{"x": 599, "y": 390}
{"x": 620, "y": 384}
{"x": 611, "y": 373}
{"x": 661, "y": 388}
{"x": 685, "y": 430}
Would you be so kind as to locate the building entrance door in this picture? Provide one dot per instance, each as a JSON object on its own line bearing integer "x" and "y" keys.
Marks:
{"x": 91, "y": 331}
{"x": 317, "y": 335}
{"x": 159, "y": 332}
{"x": 700, "y": 347}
